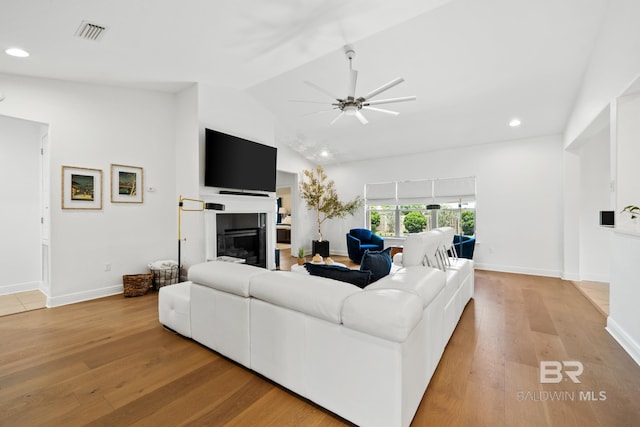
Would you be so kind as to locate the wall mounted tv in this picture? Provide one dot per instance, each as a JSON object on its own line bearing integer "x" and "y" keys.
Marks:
{"x": 236, "y": 163}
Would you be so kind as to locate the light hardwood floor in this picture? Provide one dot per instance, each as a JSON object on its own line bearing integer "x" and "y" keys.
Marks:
{"x": 597, "y": 293}
{"x": 21, "y": 301}
{"x": 109, "y": 362}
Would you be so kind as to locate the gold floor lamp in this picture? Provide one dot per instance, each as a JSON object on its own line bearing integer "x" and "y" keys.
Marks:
{"x": 198, "y": 206}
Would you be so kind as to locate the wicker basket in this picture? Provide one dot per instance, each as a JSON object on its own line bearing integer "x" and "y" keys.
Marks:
{"x": 164, "y": 276}
{"x": 136, "y": 285}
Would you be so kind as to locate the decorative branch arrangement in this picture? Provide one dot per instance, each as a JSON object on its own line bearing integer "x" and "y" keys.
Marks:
{"x": 632, "y": 210}
{"x": 321, "y": 196}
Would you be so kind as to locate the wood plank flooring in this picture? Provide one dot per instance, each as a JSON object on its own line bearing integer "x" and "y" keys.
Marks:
{"x": 109, "y": 362}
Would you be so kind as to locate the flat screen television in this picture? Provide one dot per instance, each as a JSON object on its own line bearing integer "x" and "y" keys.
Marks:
{"x": 236, "y": 163}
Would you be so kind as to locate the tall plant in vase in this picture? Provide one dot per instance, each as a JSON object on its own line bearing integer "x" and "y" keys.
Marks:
{"x": 320, "y": 195}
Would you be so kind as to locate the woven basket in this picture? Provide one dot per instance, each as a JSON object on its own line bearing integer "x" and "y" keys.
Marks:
{"x": 164, "y": 276}
{"x": 136, "y": 285}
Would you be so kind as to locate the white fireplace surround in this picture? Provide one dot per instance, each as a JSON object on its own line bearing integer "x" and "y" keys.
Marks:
{"x": 241, "y": 205}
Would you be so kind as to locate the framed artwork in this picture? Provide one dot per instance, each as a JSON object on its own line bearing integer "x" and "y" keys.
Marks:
{"x": 81, "y": 188}
{"x": 127, "y": 184}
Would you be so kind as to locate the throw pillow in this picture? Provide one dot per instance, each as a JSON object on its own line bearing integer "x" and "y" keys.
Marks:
{"x": 377, "y": 262}
{"x": 337, "y": 272}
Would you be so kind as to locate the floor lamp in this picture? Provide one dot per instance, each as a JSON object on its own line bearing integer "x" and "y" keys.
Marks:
{"x": 198, "y": 206}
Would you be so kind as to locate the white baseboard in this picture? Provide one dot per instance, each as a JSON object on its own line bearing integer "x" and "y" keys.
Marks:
{"x": 624, "y": 339}
{"x": 19, "y": 287}
{"x": 518, "y": 270}
{"x": 84, "y": 296}
{"x": 595, "y": 278}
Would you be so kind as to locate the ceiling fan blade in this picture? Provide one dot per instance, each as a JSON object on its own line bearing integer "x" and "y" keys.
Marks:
{"x": 317, "y": 112}
{"x": 326, "y": 92}
{"x": 381, "y": 89}
{"x": 353, "y": 78}
{"x": 336, "y": 119}
{"x": 307, "y": 102}
{"x": 361, "y": 117}
{"x": 390, "y": 100}
{"x": 393, "y": 113}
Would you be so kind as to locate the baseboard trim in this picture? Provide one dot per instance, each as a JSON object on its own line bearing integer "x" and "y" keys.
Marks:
{"x": 58, "y": 301}
{"x": 518, "y": 270}
{"x": 20, "y": 287}
{"x": 624, "y": 339}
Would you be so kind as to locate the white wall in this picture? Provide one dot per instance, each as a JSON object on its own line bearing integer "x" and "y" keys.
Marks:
{"x": 94, "y": 126}
{"x": 235, "y": 112}
{"x": 628, "y": 156}
{"x": 519, "y": 198}
{"x": 613, "y": 65}
{"x": 594, "y": 197}
{"x": 623, "y": 321}
{"x": 20, "y": 194}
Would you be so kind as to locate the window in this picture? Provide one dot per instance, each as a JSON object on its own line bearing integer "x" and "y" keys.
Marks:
{"x": 397, "y": 209}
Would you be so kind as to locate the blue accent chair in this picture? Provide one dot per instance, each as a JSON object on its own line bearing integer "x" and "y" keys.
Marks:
{"x": 361, "y": 239}
{"x": 464, "y": 246}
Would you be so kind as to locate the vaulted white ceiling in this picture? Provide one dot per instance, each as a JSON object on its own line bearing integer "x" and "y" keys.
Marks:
{"x": 473, "y": 64}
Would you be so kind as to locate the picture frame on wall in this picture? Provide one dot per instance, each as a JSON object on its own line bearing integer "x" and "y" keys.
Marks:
{"x": 81, "y": 188}
{"x": 127, "y": 184}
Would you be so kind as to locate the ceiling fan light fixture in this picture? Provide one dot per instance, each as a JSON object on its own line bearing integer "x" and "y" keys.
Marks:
{"x": 351, "y": 105}
{"x": 350, "y": 110}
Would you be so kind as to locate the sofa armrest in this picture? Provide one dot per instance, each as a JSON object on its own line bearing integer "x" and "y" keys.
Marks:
{"x": 377, "y": 240}
{"x": 353, "y": 240}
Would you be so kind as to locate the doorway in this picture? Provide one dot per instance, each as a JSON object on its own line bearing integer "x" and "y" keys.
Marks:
{"x": 285, "y": 218}
{"x": 24, "y": 166}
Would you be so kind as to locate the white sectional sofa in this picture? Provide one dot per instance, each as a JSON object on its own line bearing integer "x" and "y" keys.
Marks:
{"x": 364, "y": 354}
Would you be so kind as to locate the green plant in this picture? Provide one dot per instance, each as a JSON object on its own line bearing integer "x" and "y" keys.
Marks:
{"x": 375, "y": 221}
{"x": 321, "y": 196}
{"x": 468, "y": 222}
{"x": 301, "y": 253}
{"x": 632, "y": 210}
{"x": 414, "y": 222}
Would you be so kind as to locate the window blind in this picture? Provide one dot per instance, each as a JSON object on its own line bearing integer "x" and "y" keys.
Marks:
{"x": 380, "y": 194}
{"x": 415, "y": 192}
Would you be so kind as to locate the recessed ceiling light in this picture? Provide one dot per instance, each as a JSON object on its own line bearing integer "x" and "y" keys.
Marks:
{"x": 514, "y": 123}
{"x": 17, "y": 52}
{"x": 324, "y": 153}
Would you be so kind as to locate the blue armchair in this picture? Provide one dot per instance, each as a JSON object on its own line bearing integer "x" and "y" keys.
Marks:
{"x": 464, "y": 246}
{"x": 361, "y": 239}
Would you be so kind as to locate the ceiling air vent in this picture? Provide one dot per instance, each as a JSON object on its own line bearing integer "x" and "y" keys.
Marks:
{"x": 90, "y": 31}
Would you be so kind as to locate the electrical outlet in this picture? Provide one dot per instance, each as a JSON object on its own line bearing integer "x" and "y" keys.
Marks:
{"x": 107, "y": 267}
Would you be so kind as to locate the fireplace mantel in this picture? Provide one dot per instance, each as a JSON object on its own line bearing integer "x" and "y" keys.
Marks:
{"x": 236, "y": 204}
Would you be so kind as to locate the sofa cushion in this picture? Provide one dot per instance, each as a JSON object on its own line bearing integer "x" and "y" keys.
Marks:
{"x": 426, "y": 282}
{"x": 413, "y": 251}
{"x": 377, "y": 262}
{"x": 225, "y": 276}
{"x": 337, "y": 272}
{"x": 386, "y": 313}
{"x": 316, "y": 296}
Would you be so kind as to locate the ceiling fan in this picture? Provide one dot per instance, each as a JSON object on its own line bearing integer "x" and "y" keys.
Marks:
{"x": 350, "y": 105}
